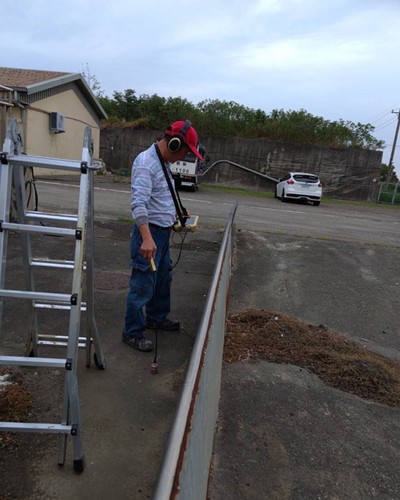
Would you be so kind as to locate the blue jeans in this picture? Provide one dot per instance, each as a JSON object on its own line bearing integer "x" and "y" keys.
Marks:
{"x": 147, "y": 289}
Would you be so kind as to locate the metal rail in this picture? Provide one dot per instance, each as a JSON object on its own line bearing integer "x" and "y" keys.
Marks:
{"x": 264, "y": 176}
{"x": 185, "y": 469}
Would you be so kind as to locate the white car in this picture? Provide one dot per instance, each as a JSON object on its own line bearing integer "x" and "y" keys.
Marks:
{"x": 299, "y": 186}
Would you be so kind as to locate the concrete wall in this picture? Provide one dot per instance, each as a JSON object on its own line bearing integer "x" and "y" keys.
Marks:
{"x": 345, "y": 173}
{"x": 41, "y": 141}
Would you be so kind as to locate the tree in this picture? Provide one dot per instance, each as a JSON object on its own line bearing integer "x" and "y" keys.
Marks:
{"x": 230, "y": 119}
{"x": 92, "y": 81}
{"x": 127, "y": 106}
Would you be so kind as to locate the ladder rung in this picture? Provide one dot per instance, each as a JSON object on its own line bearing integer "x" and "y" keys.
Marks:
{"x": 81, "y": 345}
{"x": 32, "y": 228}
{"x": 35, "y": 427}
{"x": 28, "y": 361}
{"x": 61, "y": 298}
{"x": 58, "y": 339}
{"x": 56, "y": 264}
{"x": 44, "y": 162}
{"x": 57, "y": 307}
{"x": 51, "y": 216}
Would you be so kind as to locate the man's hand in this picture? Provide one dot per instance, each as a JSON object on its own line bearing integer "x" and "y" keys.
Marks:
{"x": 148, "y": 248}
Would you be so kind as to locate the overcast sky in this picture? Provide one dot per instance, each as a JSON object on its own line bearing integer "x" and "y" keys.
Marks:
{"x": 338, "y": 59}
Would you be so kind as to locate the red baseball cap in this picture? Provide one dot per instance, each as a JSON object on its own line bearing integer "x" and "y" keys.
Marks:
{"x": 186, "y": 131}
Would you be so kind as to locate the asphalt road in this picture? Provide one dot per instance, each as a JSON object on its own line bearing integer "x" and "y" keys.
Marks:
{"x": 335, "y": 264}
{"x": 379, "y": 225}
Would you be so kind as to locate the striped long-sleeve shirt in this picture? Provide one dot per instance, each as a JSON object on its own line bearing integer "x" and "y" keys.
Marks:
{"x": 151, "y": 200}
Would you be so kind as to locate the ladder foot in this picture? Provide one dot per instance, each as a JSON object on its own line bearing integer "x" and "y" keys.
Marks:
{"x": 100, "y": 366}
{"x": 79, "y": 465}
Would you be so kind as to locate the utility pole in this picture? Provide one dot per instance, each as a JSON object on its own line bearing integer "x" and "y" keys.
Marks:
{"x": 390, "y": 168}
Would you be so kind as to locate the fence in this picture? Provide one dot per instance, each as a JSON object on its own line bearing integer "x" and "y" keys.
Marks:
{"x": 185, "y": 469}
{"x": 389, "y": 193}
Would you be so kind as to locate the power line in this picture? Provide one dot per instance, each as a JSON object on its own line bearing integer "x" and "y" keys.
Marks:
{"x": 380, "y": 117}
{"x": 384, "y": 125}
{"x": 388, "y": 112}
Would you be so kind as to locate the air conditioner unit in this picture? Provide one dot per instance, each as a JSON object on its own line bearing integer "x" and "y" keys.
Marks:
{"x": 57, "y": 123}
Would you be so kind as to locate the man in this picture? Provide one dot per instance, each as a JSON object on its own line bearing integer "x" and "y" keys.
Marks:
{"x": 154, "y": 212}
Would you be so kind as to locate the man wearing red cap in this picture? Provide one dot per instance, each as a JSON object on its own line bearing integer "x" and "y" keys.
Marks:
{"x": 148, "y": 302}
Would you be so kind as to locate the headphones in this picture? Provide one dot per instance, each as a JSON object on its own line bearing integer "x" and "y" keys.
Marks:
{"x": 175, "y": 143}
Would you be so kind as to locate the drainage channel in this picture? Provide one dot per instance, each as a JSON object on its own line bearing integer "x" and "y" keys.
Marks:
{"x": 185, "y": 468}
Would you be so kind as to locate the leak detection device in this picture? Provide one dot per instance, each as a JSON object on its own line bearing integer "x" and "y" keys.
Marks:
{"x": 189, "y": 227}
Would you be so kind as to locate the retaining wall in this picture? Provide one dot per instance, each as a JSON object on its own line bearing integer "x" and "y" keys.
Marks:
{"x": 345, "y": 173}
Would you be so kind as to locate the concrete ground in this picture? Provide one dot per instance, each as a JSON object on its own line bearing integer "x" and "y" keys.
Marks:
{"x": 127, "y": 412}
{"x": 282, "y": 433}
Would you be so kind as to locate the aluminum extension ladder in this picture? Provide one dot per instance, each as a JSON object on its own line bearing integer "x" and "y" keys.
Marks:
{"x": 13, "y": 162}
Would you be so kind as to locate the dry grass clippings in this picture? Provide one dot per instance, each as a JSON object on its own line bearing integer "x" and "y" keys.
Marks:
{"x": 15, "y": 406}
{"x": 340, "y": 363}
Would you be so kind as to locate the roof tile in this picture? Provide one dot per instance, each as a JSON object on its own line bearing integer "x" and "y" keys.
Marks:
{"x": 13, "y": 77}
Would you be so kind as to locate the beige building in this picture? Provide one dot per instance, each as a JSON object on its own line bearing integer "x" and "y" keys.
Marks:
{"x": 52, "y": 109}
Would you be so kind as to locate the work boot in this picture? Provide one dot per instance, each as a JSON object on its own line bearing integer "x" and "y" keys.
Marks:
{"x": 138, "y": 343}
{"x": 167, "y": 324}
